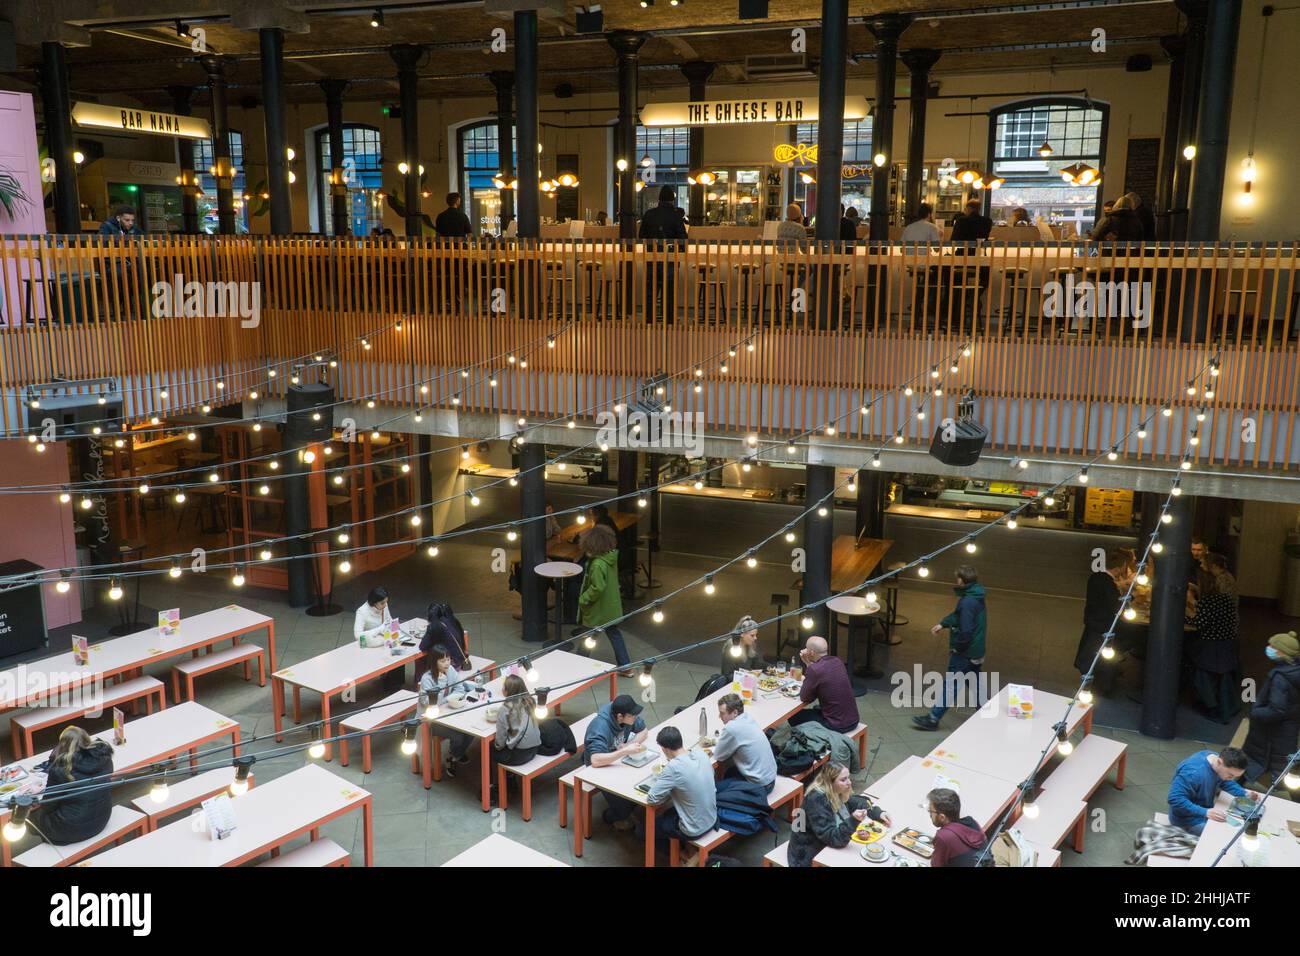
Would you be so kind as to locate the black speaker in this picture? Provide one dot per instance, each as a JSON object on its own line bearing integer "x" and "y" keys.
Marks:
{"x": 299, "y": 426}
{"x": 967, "y": 444}
{"x": 753, "y": 9}
{"x": 1138, "y": 63}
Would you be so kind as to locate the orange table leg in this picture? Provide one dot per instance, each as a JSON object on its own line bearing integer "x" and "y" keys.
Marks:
{"x": 234, "y": 740}
{"x": 297, "y": 705}
{"x": 368, "y": 825}
{"x": 325, "y": 723}
{"x": 277, "y": 706}
{"x": 502, "y": 800}
{"x": 485, "y": 771}
{"x": 564, "y": 805}
{"x": 613, "y": 684}
{"x": 270, "y": 642}
{"x": 426, "y": 756}
{"x": 1119, "y": 773}
{"x": 261, "y": 670}
{"x": 365, "y": 753}
{"x": 578, "y": 822}
{"x": 649, "y": 835}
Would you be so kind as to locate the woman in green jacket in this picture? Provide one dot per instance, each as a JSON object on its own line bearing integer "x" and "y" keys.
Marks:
{"x": 600, "y": 602}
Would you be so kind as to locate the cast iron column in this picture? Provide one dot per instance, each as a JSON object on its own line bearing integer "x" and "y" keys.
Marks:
{"x": 58, "y": 137}
{"x": 818, "y": 533}
{"x": 886, "y": 30}
{"x": 532, "y": 503}
{"x": 1195, "y": 11}
{"x": 919, "y": 62}
{"x": 271, "y": 40}
{"x": 830, "y": 116}
{"x": 1175, "y": 48}
{"x": 215, "y": 66}
{"x": 339, "y": 211}
{"x": 697, "y": 75}
{"x": 1206, "y": 207}
{"x": 300, "y": 431}
{"x": 504, "y": 82}
{"x": 527, "y": 196}
{"x": 628, "y": 485}
{"x": 181, "y": 96}
{"x": 1168, "y": 611}
{"x": 627, "y": 44}
{"x": 407, "y": 57}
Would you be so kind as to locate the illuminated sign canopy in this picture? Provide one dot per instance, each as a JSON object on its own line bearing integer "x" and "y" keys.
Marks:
{"x": 775, "y": 109}
{"x": 99, "y": 116}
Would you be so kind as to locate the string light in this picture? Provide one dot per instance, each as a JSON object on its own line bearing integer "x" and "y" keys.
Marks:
{"x": 317, "y": 749}
{"x": 409, "y": 745}
{"x": 243, "y": 765}
{"x": 647, "y": 673}
{"x": 658, "y": 615}
{"x": 709, "y": 587}
{"x": 1063, "y": 745}
{"x": 114, "y": 590}
{"x": 238, "y": 579}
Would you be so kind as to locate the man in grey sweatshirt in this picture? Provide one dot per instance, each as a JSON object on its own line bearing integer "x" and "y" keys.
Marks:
{"x": 686, "y": 781}
{"x": 743, "y": 743}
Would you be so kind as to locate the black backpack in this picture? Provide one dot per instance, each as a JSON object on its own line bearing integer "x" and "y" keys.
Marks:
{"x": 712, "y": 686}
{"x": 556, "y": 736}
{"x": 444, "y": 629}
{"x": 798, "y": 754}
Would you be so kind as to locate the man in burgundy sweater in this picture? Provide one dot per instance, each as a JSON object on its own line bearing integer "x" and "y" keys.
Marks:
{"x": 958, "y": 840}
{"x": 826, "y": 681}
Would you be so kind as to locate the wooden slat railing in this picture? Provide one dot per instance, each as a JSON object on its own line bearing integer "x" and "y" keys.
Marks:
{"x": 828, "y": 327}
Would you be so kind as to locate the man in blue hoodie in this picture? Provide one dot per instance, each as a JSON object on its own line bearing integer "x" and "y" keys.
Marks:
{"x": 1197, "y": 783}
{"x": 965, "y": 626}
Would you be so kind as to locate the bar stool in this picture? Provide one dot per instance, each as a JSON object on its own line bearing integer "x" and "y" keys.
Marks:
{"x": 779, "y": 601}
{"x": 558, "y": 573}
{"x": 892, "y": 618}
{"x": 855, "y": 609}
{"x": 600, "y": 284}
{"x": 129, "y": 551}
{"x": 647, "y": 567}
{"x": 707, "y": 279}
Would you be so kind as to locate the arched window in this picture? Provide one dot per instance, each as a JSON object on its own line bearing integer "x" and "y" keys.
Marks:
{"x": 203, "y": 162}
{"x": 1076, "y": 131}
{"x": 479, "y": 160}
{"x": 362, "y": 172}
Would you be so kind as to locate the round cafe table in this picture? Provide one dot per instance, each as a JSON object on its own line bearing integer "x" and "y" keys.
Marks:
{"x": 857, "y": 610}
{"x": 558, "y": 572}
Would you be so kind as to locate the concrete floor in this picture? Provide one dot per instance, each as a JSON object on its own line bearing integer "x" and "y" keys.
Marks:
{"x": 1032, "y": 640}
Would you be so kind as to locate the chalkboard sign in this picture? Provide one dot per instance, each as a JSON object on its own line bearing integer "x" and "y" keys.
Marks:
{"x": 22, "y": 613}
{"x": 1142, "y": 168}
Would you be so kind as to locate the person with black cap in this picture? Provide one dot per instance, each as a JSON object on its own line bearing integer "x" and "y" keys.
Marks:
{"x": 617, "y": 731}
{"x": 664, "y": 226}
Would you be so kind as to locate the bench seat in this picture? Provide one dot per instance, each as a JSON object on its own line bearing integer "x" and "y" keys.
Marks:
{"x": 396, "y": 706}
{"x": 318, "y": 853}
{"x": 241, "y": 653}
{"x": 186, "y": 793}
{"x": 27, "y": 723}
{"x": 778, "y": 856}
{"x": 1057, "y": 818}
{"x": 1082, "y": 772}
{"x": 785, "y": 790}
{"x": 540, "y": 765}
{"x": 121, "y": 823}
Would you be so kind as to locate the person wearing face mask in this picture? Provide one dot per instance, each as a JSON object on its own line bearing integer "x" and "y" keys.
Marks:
{"x": 1275, "y": 717}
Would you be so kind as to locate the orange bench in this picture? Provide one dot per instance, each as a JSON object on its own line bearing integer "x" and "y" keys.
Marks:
{"x": 239, "y": 654}
{"x": 26, "y": 724}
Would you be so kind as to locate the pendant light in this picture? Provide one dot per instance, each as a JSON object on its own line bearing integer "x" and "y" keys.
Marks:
{"x": 1046, "y": 149}
{"x": 967, "y": 173}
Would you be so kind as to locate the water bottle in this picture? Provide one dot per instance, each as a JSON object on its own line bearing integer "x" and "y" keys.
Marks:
{"x": 424, "y": 701}
{"x": 704, "y": 723}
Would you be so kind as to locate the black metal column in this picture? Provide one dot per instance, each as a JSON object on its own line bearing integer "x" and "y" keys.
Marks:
{"x": 628, "y": 485}
{"x": 181, "y": 105}
{"x": 1195, "y": 11}
{"x": 300, "y": 431}
{"x": 870, "y": 516}
{"x": 1206, "y": 207}
{"x": 830, "y": 116}
{"x": 407, "y": 57}
{"x": 627, "y": 45}
{"x": 271, "y": 43}
{"x": 1168, "y": 611}
{"x": 886, "y": 30}
{"x": 504, "y": 82}
{"x": 1175, "y": 48}
{"x": 919, "y": 63}
{"x": 215, "y": 66}
{"x": 697, "y": 74}
{"x": 339, "y": 211}
{"x": 58, "y": 137}
{"x": 818, "y": 533}
{"x": 527, "y": 196}
{"x": 532, "y": 503}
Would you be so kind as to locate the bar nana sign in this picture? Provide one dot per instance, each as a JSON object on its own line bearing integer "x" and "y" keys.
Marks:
{"x": 99, "y": 116}
{"x": 775, "y": 109}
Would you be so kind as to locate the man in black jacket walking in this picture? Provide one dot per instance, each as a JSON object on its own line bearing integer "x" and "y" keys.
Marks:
{"x": 452, "y": 223}
{"x": 663, "y": 227}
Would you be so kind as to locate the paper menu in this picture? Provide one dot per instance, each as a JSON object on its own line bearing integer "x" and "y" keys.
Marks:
{"x": 392, "y": 635}
{"x": 219, "y": 816}
{"x": 1020, "y": 701}
{"x": 119, "y": 727}
{"x": 944, "y": 782}
{"x": 80, "y": 649}
{"x": 169, "y": 621}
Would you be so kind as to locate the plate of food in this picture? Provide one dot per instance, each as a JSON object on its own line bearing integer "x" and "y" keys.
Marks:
{"x": 790, "y": 690}
{"x": 921, "y": 844}
{"x": 869, "y": 831}
{"x": 768, "y": 682}
{"x": 875, "y": 853}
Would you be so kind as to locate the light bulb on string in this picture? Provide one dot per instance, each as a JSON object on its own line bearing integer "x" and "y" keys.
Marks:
{"x": 709, "y": 586}
{"x": 238, "y": 578}
{"x": 317, "y": 749}
{"x": 409, "y": 745}
{"x": 658, "y": 615}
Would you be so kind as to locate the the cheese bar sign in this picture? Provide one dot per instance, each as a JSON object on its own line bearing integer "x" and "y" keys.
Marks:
{"x": 780, "y": 109}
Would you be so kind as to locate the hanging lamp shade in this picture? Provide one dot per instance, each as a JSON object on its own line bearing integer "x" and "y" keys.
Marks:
{"x": 1087, "y": 175}
{"x": 807, "y": 178}
{"x": 1046, "y": 149}
{"x": 567, "y": 179}
{"x": 1070, "y": 173}
{"x": 966, "y": 175}
{"x": 702, "y": 177}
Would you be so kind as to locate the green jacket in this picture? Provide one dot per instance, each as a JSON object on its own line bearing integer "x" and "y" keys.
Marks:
{"x": 967, "y": 622}
{"x": 600, "y": 601}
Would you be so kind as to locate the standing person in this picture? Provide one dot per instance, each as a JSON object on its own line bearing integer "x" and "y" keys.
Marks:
{"x": 371, "y": 616}
{"x": 81, "y": 814}
{"x": 966, "y": 626}
{"x": 1213, "y": 650}
{"x": 826, "y": 681}
{"x": 442, "y": 683}
{"x": 957, "y": 839}
{"x": 518, "y": 736}
{"x": 972, "y": 225}
{"x": 666, "y": 228}
{"x": 617, "y": 731}
{"x": 748, "y": 659}
{"x": 743, "y": 742}
{"x": 121, "y": 223}
{"x": 1100, "y": 609}
{"x": 849, "y": 225}
{"x": 1275, "y": 716}
{"x": 452, "y": 223}
{"x": 686, "y": 782}
{"x": 1197, "y": 783}
{"x": 922, "y": 228}
{"x": 600, "y": 604}
{"x": 831, "y": 813}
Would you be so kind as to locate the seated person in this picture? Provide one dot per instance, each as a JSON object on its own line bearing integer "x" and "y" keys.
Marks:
{"x": 371, "y": 616}
{"x": 831, "y": 813}
{"x": 80, "y": 815}
{"x": 518, "y": 736}
{"x": 958, "y": 840}
{"x": 1020, "y": 217}
{"x": 826, "y": 680}
{"x": 687, "y": 782}
{"x": 743, "y": 743}
{"x": 442, "y": 683}
{"x": 617, "y": 731}
{"x": 1197, "y": 783}
{"x": 972, "y": 225}
{"x": 748, "y": 659}
{"x": 922, "y": 228}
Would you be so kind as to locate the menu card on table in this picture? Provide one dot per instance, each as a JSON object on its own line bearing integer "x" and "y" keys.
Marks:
{"x": 119, "y": 727}
{"x": 1020, "y": 701}
{"x": 80, "y": 649}
{"x": 169, "y": 621}
{"x": 219, "y": 816}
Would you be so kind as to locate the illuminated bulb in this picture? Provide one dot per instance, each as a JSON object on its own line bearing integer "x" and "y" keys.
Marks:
{"x": 40, "y": 446}
{"x": 474, "y": 499}
{"x": 431, "y": 712}
{"x": 571, "y": 424}
{"x": 875, "y": 460}
{"x": 253, "y": 394}
{"x": 970, "y": 547}
{"x": 86, "y": 504}
{"x": 699, "y": 485}
{"x": 723, "y": 368}
{"x": 144, "y": 488}
{"x": 265, "y": 554}
{"x": 1189, "y": 151}
{"x": 343, "y": 537}
{"x": 1291, "y": 780}
{"x": 1065, "y": 747}
{"x": 790, "y": 448}
{"x": 1085, "y": 695}
{"x": 180, "y": 497}
{"x": 1029, "y": 809}
{"x": 409, "y": 745}
{"x": 238, "y": 579}
{"x": 317, "y": 749}
{"x": 1175, "y": 491}
{"x": 174, "y": 571}
{"x": 1022, "y": 464}
{"x": 415, "y": 521}
{"x": 920, "y": 415}
{"x": 709, "y": 587}
{"x": 908, "y": 391}
{"x": 1185, "y": 464}
{"x": 1048, "y": 500}
{"x": 641, "y": 502}
{"x": 1112, "y": 454}
{"x": 589, "y": 642}
{"x": 345, "y": 566}
{"x": 264, "y": 490}
{"x": 1083, "y": 476}
{"x": 923, "y": 571}
{"x": 64, "y": 497}
{"x": 514, "y": 482}
{"x": 64, "y": 585}
{"x": 1130, "y": 614}
{"x": 1143, "y": 579}
{"x": 158, "y": 792}
{"x": 206, "y": 409}
{"x": 1167, "y": 518}
{"x": 406, "y": 467}
{"x": 898, "y": 437}
{"x": 512, "y": 535}
{"x": 273, "y": 465}
{"x": 431, "y": 550}
{"x": 789, "y": 537}
{"x": 1011, "y": 523}
{"x": 751, "y": 561}
{"x": 257, "y": 427}
{"x": 806, "y": 622}
{"x": 309, "y": 456}
{"x": 1157, "y": 547}
{"x": 865, "y": 410}
{"x": 851, "y": 487}
{"x": 1166, "y": 411}
{"x": 830, "y": 429}
{"x": 658, "y": 615}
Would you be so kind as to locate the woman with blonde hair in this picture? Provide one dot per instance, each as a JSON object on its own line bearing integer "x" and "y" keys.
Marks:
{"x": 81, "y": 814}
{"x": 831, "y": 813}
{"x": 747, "y": 658}
{"x": 518, "y": 736}
{"x": 600, "y": 604}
